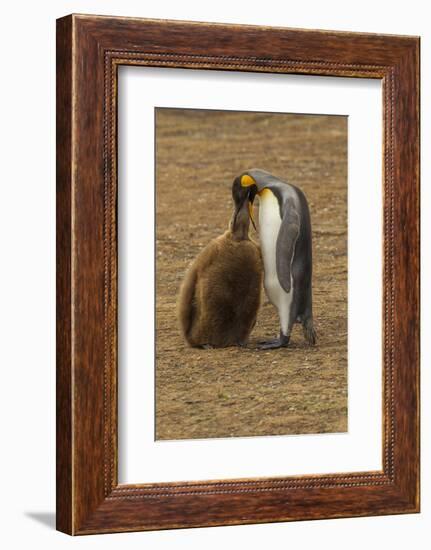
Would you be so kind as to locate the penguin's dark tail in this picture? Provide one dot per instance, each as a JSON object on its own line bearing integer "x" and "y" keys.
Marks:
{"x": 186, "y": 304}
{"x": 309, "y": 332}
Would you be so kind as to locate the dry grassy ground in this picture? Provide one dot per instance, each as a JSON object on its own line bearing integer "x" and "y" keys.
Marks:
{"x": 244, "y": 392}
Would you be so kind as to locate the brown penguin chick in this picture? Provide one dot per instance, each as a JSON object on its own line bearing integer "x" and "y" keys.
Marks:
{"x": 220, "y": 295}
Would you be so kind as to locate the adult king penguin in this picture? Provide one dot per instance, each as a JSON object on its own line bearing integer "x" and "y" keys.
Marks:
{"x": 285, "y": 239}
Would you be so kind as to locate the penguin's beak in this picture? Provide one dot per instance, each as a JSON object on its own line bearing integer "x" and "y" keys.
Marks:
{"x": 251, "y": 195}
{"x": 250, "y": 211}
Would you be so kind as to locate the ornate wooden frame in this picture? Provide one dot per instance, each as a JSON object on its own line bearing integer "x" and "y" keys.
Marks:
{"x": 89, "y": 51}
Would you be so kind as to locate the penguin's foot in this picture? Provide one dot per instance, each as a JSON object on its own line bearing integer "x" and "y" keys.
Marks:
{"x": 281, "y": 342}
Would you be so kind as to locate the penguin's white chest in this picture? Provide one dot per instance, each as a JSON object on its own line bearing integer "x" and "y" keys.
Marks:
{"x": 269, "y": 227}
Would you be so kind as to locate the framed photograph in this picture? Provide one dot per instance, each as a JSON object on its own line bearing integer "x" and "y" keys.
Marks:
{"x": 237, "y": 274}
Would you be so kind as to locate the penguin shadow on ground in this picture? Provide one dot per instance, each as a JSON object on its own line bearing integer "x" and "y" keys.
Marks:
{"x": 254, "y": 346}
{"x": 47, "y": 519}
{"x": 255, "y": 343}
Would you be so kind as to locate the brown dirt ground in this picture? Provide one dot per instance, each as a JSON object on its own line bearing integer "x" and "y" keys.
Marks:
{"x": 244, "y": 392}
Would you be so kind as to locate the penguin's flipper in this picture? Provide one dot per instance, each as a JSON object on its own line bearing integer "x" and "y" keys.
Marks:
{"x": 286, "y": 241}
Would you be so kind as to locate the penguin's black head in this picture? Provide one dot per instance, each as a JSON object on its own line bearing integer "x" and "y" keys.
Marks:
{"x": 243, "y": 197}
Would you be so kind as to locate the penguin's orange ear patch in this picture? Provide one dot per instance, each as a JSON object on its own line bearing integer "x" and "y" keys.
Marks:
{"x": 247, "y": 180}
